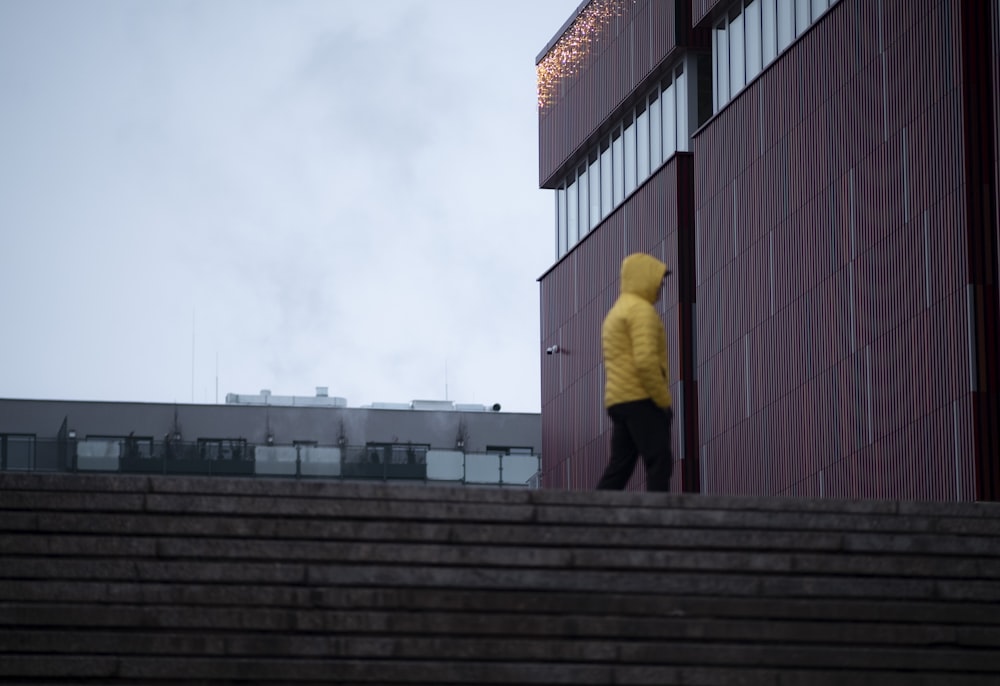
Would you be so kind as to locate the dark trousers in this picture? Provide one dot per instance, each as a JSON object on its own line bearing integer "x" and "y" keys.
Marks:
{"x": 639, "y": 428}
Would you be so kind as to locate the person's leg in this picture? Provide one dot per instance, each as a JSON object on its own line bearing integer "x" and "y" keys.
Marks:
{"x": 650, "y": 428}
{"x": 623, "y": 454}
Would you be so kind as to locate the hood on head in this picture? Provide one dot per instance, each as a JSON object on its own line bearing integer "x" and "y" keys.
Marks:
{"x": 642, "y": 275}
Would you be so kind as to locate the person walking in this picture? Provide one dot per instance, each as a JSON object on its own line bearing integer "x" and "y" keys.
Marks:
{"x": 637, "y": 379}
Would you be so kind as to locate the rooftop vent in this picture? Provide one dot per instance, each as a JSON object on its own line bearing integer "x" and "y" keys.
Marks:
{"x": 432, "y": 405}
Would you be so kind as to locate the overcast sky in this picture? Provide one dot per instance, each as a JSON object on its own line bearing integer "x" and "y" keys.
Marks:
{"x": 201, "y": 197}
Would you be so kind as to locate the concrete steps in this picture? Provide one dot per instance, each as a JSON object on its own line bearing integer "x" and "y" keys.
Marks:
{"x": 182, "y": 580}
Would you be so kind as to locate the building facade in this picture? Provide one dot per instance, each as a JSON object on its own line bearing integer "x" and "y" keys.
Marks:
{"x": 822, "y": 181}
{"x": 276, "y": 436}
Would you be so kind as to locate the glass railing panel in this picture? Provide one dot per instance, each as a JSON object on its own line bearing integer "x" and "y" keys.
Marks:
{"x": 102, "y": 456}
{"x": 276, "y": 460}
{"x": 316, "y": 461}
{"x": 517, "y": 470}
{"x": 445, "y": 465}
{"x": 482, "y": 468}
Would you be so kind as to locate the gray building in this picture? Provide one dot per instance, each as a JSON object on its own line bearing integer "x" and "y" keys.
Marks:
{"x": 276, "y": 436}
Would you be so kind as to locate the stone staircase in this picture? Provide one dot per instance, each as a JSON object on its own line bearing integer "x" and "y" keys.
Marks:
{"x": 182, "y": 580}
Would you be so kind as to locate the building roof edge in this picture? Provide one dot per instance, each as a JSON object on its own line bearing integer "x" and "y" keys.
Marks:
{"x": 561, "y": 31}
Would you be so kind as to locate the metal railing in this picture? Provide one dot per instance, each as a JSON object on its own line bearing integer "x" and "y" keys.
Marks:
{"x": 232, "y": 457}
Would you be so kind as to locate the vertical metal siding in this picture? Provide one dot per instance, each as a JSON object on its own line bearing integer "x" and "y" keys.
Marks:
{"x": 578, "y": 292}
{"x": 843, "y": 328}
{"x": 835, "y": 182}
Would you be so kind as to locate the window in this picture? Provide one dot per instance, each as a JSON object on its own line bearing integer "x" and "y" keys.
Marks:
{"x": 720, "y": 58}
{"x": 751, "y": 36}
{"x": 618, "y": 165}
{"x": 561, "y": 243}
{"x": 642, "y": 143}
{"x": 607, "y": 195}
{"x": 683, "y": 135}
{"x": 669, "y": 122}
{"x": 655, "y": 131}
{"x": 629, "y": 143}
{"x": 594, "y": 174}
{"x": 572, "y": 211}
{"x": 768, "y": 26}
{"x": 786, "y": 24}
{"x": 737, "y": 54}
{"x": 801, "y": 16}
{"x": 753, "y": 39}
{"x": 637, "y": 146}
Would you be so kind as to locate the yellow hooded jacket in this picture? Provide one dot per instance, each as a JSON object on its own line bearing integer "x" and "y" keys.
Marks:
{"x": 633, "y": 339}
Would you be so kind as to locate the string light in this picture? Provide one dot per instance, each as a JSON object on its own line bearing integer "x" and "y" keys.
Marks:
{"x": 568, "y": 54}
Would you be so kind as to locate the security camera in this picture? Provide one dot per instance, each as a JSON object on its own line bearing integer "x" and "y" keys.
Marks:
{"x": 552, "y": 349}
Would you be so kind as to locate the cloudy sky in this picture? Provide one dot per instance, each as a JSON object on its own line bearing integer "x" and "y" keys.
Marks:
{"x": 200, "y": 197}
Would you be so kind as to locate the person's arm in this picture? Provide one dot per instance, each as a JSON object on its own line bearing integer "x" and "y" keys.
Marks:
{"x": 645, "y": 331}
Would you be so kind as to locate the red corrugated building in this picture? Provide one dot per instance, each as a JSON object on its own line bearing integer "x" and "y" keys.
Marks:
{"x": 822, "y": 178}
